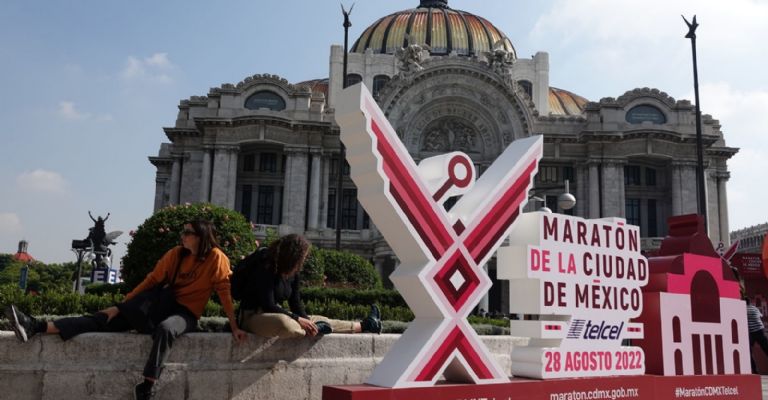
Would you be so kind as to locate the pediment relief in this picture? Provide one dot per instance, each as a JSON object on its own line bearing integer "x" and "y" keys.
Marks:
{"x": 451, "y": 134}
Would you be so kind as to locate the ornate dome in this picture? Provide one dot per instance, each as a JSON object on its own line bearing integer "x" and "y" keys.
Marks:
{"x": 563, "y": 102}
{"x": 437, "y": 25}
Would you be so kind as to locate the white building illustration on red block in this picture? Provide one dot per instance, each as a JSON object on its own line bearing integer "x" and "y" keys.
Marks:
{"x": 694, "y": 299}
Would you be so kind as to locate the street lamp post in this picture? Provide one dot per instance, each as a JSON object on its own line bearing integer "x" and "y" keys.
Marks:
{"x": 702, "y": 203}
{"x": 342, "y": 149}
{"x": 565, "y": 200}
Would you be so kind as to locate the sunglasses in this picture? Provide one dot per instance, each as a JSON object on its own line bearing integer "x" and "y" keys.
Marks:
{"x": 188, "y": 232}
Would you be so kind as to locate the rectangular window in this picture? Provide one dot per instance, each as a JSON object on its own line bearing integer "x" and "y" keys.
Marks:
{"x": 335, "y": 168}
{"x": 268, "y": 162}
{"x": 653, "y": 230}
{"x": 548, "y": 174}
{"x": 349, "y": 209}
{"x": 568, "y": 174}
{"x": 631, "y": 175}
{"x": 366, "y": 220}
{"x": 650, "y": 177}
{"x": 633, "y": 211}
{"x": 249, "y": 162}
{"x": 246, "y": 200}
{"x": 265, "y": 205}
{"x": 331, "y": 223}
{"x": 551, "y": 202}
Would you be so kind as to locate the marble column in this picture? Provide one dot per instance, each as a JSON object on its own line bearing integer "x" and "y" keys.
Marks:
{"x": 175, "y": 179}
{"x": 224, "y": 178}
{"x": 689, "y": 194}
{"x": 205, "y": 176}
{"x": 581, "y": 191}
{"x": 314, "y": 189}
{"x": 722, "y": 194}
{"x": 324, "y": 185}
{"x": 160, "y": 192}
{"x": 613, "y": 189}
{"x": 594, "y": 190}
{"x": 232, "y": 184}
{"x": 295, "y": 189}
{"x": 677, "y": 187}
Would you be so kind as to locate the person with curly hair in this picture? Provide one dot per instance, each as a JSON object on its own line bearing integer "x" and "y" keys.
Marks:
{"x": 271, "y": 276}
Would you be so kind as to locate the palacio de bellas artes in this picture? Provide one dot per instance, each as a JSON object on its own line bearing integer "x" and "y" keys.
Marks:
{"x": 447, "y": 80}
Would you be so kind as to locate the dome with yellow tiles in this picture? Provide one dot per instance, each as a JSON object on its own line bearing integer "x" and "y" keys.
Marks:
{"x": 433, "y": 23}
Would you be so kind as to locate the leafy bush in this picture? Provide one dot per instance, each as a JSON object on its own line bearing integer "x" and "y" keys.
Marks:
{"x": 313, "y": 272}
{"x": 342, "y": 269}
{"x": 160, "y": 232}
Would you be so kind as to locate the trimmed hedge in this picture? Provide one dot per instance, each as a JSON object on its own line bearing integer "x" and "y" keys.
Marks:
{"x": 56, "y": 303}
{"x": 339, "y": 269}
{"x": 382, "y": 297}
{"x": 161, "y": 232}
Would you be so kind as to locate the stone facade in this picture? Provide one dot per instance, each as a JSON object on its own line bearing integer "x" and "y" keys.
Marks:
{"x": 750, "y": 239}
{"x": 270, "y": 149}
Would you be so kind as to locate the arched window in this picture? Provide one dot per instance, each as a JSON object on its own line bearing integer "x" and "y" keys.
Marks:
{"x": 645, "y": 113}
{"x": 379, "y": 81}
{"x": 736, "y": 362}
{"x": 527, "y": 87}
{"x": 265, "y": 99}
{"x": 353, "y": 79}
{"x": 734, "y": 332}
{"x": 705, "y": 298}
{"x": 678, "y": 362}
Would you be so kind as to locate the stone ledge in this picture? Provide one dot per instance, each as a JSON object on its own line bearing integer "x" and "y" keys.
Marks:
{"x": 200, "y": 366}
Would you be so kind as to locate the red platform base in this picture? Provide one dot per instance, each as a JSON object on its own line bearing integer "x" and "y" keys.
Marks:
{"x": 714, "y": 387}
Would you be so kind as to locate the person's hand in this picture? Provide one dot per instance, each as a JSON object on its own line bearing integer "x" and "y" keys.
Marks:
{"x": 111, "y": 312}
{"x": 309, "y": 327}
{"x": 239, "y": 335}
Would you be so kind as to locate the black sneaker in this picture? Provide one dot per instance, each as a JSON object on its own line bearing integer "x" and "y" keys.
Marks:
{"x": 372, "y": 323}
{"x": 142, "y": 392}
{"x": 323, "y": 328}
{"x": 22, "y": 324}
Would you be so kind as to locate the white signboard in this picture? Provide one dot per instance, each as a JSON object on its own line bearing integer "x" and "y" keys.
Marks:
{"x": 580, "y": 282}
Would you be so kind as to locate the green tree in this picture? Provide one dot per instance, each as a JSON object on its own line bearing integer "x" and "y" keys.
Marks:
{"x": 160, "y": 232}
{"x": 5, "y": 260}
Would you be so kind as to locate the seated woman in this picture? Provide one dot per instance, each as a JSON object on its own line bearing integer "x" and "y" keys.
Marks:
{"x": 193, "y": 271}
{"x": 272, "y": 276}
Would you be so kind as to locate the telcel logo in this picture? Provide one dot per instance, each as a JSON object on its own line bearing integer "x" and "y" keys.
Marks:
{"x": 587, "y": 329}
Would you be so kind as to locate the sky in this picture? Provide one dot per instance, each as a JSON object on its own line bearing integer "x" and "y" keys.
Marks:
{"x": 88, "y": 85}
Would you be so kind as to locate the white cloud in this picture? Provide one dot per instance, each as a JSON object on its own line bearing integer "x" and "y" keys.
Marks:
{"x": 153, "y": 68}
{"x": 159, "y": 60}
{"x": 67, "y": 110}
{"x": 10, "y": 224}
{"x": 603, "y": 43}
{"x": 42, "y": 181}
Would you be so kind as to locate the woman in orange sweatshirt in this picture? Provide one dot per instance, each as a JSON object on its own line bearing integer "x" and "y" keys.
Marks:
{"x": 194, "y": 270}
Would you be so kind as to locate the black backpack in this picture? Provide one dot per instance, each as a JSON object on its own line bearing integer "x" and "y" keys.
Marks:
{"x": 241, "y": 274}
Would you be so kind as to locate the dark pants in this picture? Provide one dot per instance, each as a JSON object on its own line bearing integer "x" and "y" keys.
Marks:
{"x": 169, "y": 329}
{"x": 759, "y": 337}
